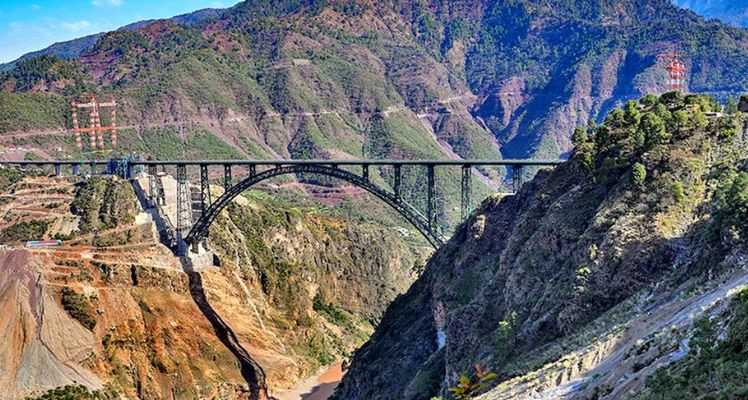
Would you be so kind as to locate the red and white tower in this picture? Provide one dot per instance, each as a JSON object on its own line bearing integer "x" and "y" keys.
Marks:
{"x": 94, "y": 110}
{"x": 676, "y": 70}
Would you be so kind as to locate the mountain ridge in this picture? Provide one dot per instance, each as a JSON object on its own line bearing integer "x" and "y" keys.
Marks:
{"x": 74, "y": 48}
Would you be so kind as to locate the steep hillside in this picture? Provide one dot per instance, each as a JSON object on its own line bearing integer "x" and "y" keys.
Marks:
{"x": 587, "y": 281}
{"x": 306, "y": 78}
{"x": 113, "y": 310}
{"x": 73, "y": 49}
{"x": 351, "y": 79}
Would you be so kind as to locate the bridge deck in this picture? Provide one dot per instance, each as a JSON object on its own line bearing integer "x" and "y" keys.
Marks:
{"x": 528, "y": 162}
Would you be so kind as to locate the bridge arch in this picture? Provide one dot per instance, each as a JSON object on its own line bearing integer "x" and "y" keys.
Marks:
{"x": 199, "y": 230}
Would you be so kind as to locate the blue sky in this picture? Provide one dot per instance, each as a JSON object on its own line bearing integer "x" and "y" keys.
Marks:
{"x": 33, "y": 25}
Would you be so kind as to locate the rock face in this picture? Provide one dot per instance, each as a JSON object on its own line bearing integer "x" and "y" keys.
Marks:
{"x": 546, "y": 286}
{"x": 113, "y": 310}
{"x": 54, "y": 346}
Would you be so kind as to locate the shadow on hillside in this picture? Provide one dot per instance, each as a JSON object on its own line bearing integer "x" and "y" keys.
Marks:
{"x": 320, "y": 392}
{"x": 251, "y": 371}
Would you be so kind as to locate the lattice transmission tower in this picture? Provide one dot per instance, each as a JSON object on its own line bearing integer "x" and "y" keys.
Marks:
{"x": 676, "y": 70}
{"x": 89, "y": 111}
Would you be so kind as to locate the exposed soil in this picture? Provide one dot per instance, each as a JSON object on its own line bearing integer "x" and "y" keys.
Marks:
{"x": 317, "y": 387}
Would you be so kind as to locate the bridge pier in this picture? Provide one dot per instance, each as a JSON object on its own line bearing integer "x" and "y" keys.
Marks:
{"x": 58, "y": 170}
{"x": 465, "y": 191}
{"x": 152, "y": 188}
{"x": 204, "y": 188}
{"x": 76, "y": 169}
{"x": 227, "y": 177}
{"x": 517, "y": 178}
{"x": 431, "y": 197}
{"x": 184, "y": 206}
{"x": 398, "y": 181}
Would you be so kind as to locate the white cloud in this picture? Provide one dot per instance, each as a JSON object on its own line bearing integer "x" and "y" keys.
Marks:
{"x": 110, "y": 3}
{"x": 76, "y": 26}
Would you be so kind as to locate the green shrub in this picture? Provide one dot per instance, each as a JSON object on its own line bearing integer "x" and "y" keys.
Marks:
{"x": 649, "y": 100}
{"x": 76, "y": 392}
{"x": 678, "y": 191}
{"x": 654, "y": 129}
{"x": 78, "y": 307}
{"x": 505, "y": 336}
{"x": 8, "y": 177}
{"x": 731, "y": 200}
{"x": 24, "y": 231}
{"x": 639, "y": 174}
{"x": 104, "y": 203}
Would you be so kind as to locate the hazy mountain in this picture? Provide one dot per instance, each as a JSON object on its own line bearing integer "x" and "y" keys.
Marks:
{"x": 74, "y": 48}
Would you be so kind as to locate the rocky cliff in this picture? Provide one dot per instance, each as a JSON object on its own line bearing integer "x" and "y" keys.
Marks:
{"x": 588, "y": 280}
{"x": 114, "y": 310}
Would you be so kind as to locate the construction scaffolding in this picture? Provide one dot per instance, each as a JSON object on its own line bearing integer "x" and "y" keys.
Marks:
{"x": 91, "y": 114}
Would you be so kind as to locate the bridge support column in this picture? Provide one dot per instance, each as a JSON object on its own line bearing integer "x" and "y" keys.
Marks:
{"x": 93, "y": 168}
{"x": 365, "y": 172}
{"x": 152, "y": 188}
{"x": 465, "y": 192}
{"x": 58, "y": 170}
{"x": 398, "y": 181}
{"x": 184, "y": 220}
{"x": 204, "y": 188}
{"x": 227, "y": 177}
{"x": 76, "y": 169}
{"x": 252, "y": 170}
{"x": 517, "y": 178}
{"x": 431, "y": 198}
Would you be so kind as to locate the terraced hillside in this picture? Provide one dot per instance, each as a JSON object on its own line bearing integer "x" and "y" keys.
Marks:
{"x": 112, "y": 309}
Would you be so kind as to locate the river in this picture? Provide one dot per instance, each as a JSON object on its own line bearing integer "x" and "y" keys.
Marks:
{"x": 317, "y": 387}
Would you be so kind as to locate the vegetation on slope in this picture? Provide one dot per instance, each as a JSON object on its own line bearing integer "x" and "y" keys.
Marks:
{"x": 716, "y": 366}
{"x": 76, "y": 392}
{"x": 656, "y": 181}
{"x": 79, "y": 308}
{"x": 316, "y": 270}
{"x": 27, "y": 111}
{"x": 104, "y": 203}
{"x": 24, "y": 231}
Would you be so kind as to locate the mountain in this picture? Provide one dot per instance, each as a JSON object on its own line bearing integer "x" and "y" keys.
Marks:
{"x": 627, "y": 262}
{"x": 526, "y": 72}
{"x": 734, "y": 12}
{"x": 72, "y": 49}
{"x": 352, "y": 79}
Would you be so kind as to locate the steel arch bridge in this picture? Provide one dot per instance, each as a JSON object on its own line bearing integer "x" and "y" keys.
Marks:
{"x": 193, "y": 232}
{"x": 421, "y": 222}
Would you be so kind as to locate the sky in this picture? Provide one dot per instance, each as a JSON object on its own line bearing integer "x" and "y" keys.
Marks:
{"x": 27, "y": 26}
